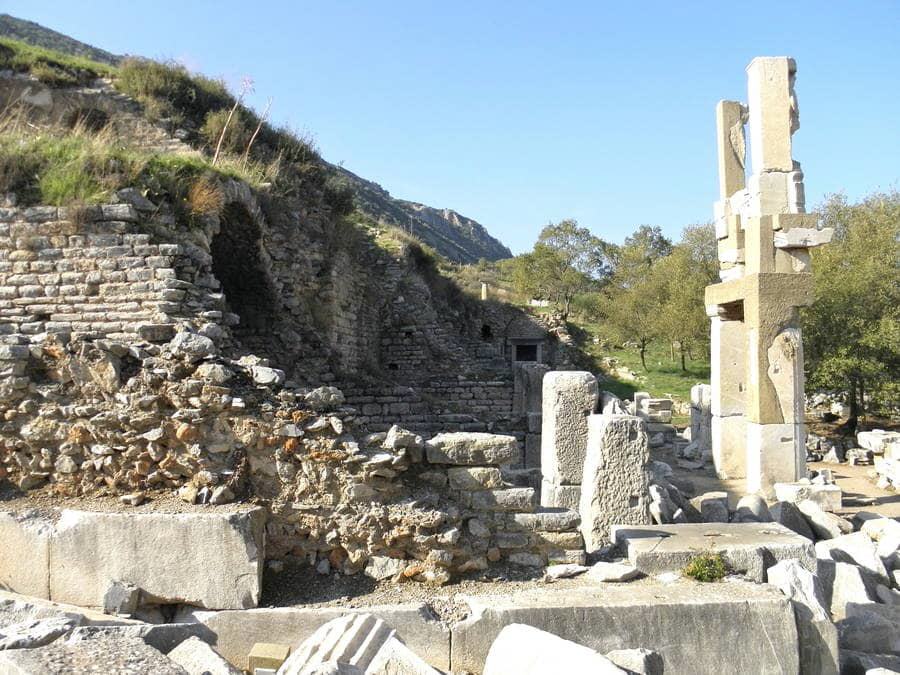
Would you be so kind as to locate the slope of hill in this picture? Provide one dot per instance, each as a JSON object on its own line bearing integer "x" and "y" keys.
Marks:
{"x": 38, "y": 35}
{"x": 451, "y": 234}
{"x": 454, "y": 236}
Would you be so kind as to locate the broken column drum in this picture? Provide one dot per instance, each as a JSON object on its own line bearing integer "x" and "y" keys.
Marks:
{"x": 764, "y": 237}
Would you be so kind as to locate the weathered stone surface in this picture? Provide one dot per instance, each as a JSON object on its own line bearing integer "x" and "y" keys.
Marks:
{"x": 472, "y": 448}
{"x": 509, "y": 499}
{"x": 210, "y": 560}
{"x": 25, "y": 553}
{"x": 362, "y": 640}
{"x": 35, "y": 632}
{"x": 752, "y": 509}
{"x": 825, "y": 525}
{"x": 826, "y": 496}
{"x": 877, "y": 440}
{"x": 528, "y": 386}
{"x": 102, "y": 656}
{"x": 547, "y": 520}
{"x": 844, "y": 585}
{"x": 474, "y": 478}
{"x": 15, "y": 608}
{"x": 616, "y": 477}
{"x": 694, "y": 627}
{"x": 524, "y": 649}
{"x": 818, "y": 636}
{"x": 237, "y": 631}
{"x": 568, "y": 397}
{"x": 856, "y": 549}
{"x": 610, "y": 572}
{"x": 192, "y": 346}
{"x": 858, "y": 663}
{"x": 787, "y": 514}
{"x": 748, "y": 548}
{"x": 164, "y": 636}
{"x": 870, "y": 628}
{"x": 641, "y": 661}
{"x": 554, "y": 495}
{"x": 198, "y": 658}
{"x": 712, "y": 506}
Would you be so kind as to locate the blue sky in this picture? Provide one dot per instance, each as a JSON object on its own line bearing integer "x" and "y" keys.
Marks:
{"x": 517, "y": 113}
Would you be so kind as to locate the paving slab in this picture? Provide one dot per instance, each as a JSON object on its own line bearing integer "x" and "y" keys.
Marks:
{"x": 748, "y": 548}
{"x": 237, "y": 631}
{"x": 696, "y": 628}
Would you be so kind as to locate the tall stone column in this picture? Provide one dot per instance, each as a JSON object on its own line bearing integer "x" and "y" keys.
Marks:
{"x": 568, "y": 398}
{"x": 764, "y": 264}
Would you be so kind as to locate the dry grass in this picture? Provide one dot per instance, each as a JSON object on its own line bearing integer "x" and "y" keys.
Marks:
{"x": 205, "y": 197}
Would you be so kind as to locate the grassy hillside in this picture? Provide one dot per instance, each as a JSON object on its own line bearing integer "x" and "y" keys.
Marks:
{"x": 40, "y": 36}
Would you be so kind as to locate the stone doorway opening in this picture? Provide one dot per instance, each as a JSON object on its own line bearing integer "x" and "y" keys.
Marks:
{"x": 238, "y": 265}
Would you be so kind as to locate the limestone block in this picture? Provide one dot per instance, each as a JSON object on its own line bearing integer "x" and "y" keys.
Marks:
{"x": 870, "y": 628}
{"x": 825, "y": 525}
{"x": 237, "y": 631}
{"x": 801, "y": 237}
{"x": 695, "y": 628}
{"x": 34, "y": 632}
{"x": 472, "y": 448}
{"x": 568, "y": 398}
{"x": 772, "y": 109}
{"x": 877, "y": 440}
{"x": 843, "y": 585}
{"x": 730, "y": 118}
{"x": 164, "y": 636}
{"x": 111, "y": 654}
{"x": 776, "y": 453}
{"x": 775, "y": 192}
{"x": 525, "y": 649}
{"x": 510, "y": 499}
{"x": 826, "y": 496}
{"x": 748, "y": 548}
{"x": 616, "y": 477}
{"x": 547, "y": 520}
{"x": 267, "y": 655}
{"x": 640, "y": 661}
{"x": 211, "y": 560}
{"x": 713, "y": 506}
{"x": 818, "y": 636}
{"x": 859, "y": 663}
{"x": 727, "y": 368}
{"x": 857, "y": 549}
{"x": 533, "y": 451}
{"x": 528, "y": 387}
{"x": 362, "y": 640}
{"x": 729, "y": 446}
{"x": 560, "y": 496}
{"x": 789, "y": 515}
{"x": 25, "y": 553}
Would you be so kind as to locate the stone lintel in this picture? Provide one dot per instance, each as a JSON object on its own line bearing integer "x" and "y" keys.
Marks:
{"x": 782, "y": 289}
{"x": 789, "y": 221}
{"x": 802, "y": 237}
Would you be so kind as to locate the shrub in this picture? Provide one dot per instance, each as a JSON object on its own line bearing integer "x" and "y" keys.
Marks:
{"x": 205, "y": 197}
{"x": 238, "y": 134}
{"x": 339, "y": 196}
{"x": 50, "y": 67}
{"x": 706, "y": 567}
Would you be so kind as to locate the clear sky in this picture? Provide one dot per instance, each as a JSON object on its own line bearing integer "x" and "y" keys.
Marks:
{"x": 521, "y": 113}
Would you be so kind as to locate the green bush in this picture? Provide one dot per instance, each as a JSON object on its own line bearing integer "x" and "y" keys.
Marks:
{"x": 706, "y": 567}
{"x": 339, "y": 196}
{"x": 53, "y": 68}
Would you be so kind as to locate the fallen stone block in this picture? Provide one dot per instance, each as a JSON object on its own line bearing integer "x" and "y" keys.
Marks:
{"x": 877, "y": 440}
{"x": 25, "y": 553}
{"x": 844, "y": 585}
{"x": 525, "y": 649}
{"x": 828, "y": 497}
{"x": 35, "y": 633}
{"x": 871, "y": 629}
{"x": 610, "y": 572}
{"x": 713, "y": 506}
{"x": 113, "y": 655}
{"x": 856, "y": 549}
{"x": 747, "y": 548}
{"x": 472, "y": 448}
{"x": 211, "y": 560}
{"x": 695, "y": 628}
{"x": 641, "y": 661}
{"x": 787, "y": 514}
{"x": 817, "y": 634}
{"x": 823, "y": 524}
{"x": 15, "y": 608}
{"x": 752, "y": 509}
{"x": 237, "y": 631}
{"x": 362, "y": 640}
{"x": 616, "y": 477}
{"x": 858, "y": 663}
{"x": 163, "y": 636}
{"x": 267, "y": 655}
{"x": 198, "y": 658}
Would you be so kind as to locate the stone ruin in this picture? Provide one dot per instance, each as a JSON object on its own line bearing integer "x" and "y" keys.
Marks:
{"x": 764, "y": 236}
{"x": 127, "y": 373}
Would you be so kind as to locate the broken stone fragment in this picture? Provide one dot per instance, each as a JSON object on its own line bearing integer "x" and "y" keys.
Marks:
{"x": 324, "y": 398}
{"x": 198, "y": 658}
{"x": 524, "y": 649}
{"x": 610, "y": 572}
{"x": 35, "y": 632}
{"x": 825, "y": 525}
{"x": 857, "y": 549}
{"x": 267, "y": 377}
{"x": 639, "y": 661}
{"x": 752, "y": 509}
{"x": 192, "y": 346}
{"x": 121, "y": 598}
{"x": 472, "y": 448}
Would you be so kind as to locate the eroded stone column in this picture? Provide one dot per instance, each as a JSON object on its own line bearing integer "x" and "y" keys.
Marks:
{"x": 616, "y": 479}
{"x": 568, "y": 398}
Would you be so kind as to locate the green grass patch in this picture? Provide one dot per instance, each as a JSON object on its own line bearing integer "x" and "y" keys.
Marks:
{"x": 51, "y": 67}
{"x": 706, "y": 567}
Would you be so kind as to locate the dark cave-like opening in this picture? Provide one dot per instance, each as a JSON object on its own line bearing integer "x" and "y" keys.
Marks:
{"x": 238, "y": 267}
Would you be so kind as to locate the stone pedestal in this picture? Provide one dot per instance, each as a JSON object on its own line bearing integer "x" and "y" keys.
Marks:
{"x": 616, "y": 478}
{"x": 568, "y": 398}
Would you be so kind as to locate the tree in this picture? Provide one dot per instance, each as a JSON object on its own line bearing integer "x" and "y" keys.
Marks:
{"x": 640, "y": 251}
{"x": 567, "y": 260}
{"x": 852, "y": 329}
